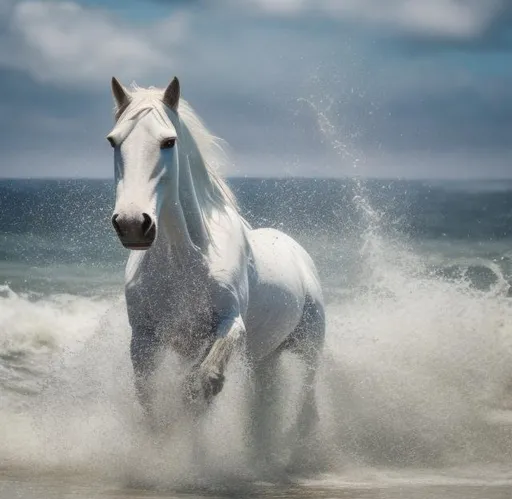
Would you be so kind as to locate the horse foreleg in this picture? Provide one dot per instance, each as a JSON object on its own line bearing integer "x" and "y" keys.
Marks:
{"x": 208, "y": 379}
{"x": 144, "y": 349}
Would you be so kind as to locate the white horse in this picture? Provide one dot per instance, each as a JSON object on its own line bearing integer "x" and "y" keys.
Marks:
{"x": 206, "y": 284}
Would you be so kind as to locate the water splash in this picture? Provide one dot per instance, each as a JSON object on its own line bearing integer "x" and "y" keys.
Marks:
{"x": 416, "y": 363}
{"x": 417, "y": 371}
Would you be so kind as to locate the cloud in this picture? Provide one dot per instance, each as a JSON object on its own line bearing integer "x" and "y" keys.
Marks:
{"x": 457, "y": 19}
{"x": 246, "y": 76}
{"x": 65, "y": 43}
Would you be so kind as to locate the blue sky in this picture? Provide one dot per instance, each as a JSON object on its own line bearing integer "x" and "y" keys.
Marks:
{"x": 385, "y": 88}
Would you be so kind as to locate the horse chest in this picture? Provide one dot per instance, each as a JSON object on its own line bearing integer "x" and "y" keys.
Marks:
{"x": 177, "y": 302}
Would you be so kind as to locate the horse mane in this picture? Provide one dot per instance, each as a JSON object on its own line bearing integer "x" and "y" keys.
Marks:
{"x": 211, "y": 189}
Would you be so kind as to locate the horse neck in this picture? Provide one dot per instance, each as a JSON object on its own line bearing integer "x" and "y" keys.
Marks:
{"x": 183, "y": 229}
{"x": 173, "y": 234}
{"x": 193, "y": 215}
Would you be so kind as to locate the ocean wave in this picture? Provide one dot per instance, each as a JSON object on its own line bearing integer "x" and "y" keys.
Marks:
{"x": 36, "y": 330}
{"x": 416, "y": 366}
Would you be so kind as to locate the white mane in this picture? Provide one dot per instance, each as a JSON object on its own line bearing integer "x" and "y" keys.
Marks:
{"x": 199, "y": 142}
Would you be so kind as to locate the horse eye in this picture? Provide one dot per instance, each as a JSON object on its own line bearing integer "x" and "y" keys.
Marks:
{"x": 111, "y": 141}
{"x": 167, "y": 144}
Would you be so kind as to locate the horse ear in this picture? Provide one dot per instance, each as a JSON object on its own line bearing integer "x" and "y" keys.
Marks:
{"x": 172, "y": 94}
{"x": 121, "y": 96}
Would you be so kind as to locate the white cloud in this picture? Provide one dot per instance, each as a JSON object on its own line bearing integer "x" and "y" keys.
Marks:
{"x": 63, "y": 43}
{"x": 285, "y": 7}
{"x": 448, "y": 18}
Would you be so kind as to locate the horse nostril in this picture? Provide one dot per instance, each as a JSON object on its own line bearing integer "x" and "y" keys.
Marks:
{"x": 116, "y": 224}
{"x": 147, "y": 224}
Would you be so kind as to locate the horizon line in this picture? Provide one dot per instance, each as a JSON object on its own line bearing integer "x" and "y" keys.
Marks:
{"x": 287, "y": 177}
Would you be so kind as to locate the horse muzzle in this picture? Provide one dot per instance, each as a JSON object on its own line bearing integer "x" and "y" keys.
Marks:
{"x": 136, "y": 232}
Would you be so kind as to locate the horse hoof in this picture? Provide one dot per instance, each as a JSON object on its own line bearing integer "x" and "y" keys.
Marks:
{"x": 205, "y": 383}
{"x": 214, "y": 384}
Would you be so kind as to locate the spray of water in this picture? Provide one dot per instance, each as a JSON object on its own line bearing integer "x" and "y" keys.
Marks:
{"x": 416, "y": 373}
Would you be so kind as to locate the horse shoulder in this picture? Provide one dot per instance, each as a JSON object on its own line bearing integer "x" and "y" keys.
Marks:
{"x": 228, "y": 260}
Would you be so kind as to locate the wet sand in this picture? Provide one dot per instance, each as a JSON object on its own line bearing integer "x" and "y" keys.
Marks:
{"x": 23, "y": 486}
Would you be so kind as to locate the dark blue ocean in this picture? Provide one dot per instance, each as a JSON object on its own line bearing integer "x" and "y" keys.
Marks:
{"x": 418, "y": 363}
{"x": 55, "y": 235}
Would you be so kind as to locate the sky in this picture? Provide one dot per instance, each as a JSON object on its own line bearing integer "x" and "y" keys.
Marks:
{"x": 380, "y": 88}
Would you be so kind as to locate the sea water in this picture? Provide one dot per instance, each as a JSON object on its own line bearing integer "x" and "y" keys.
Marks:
{"x": 415, "y": 386}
